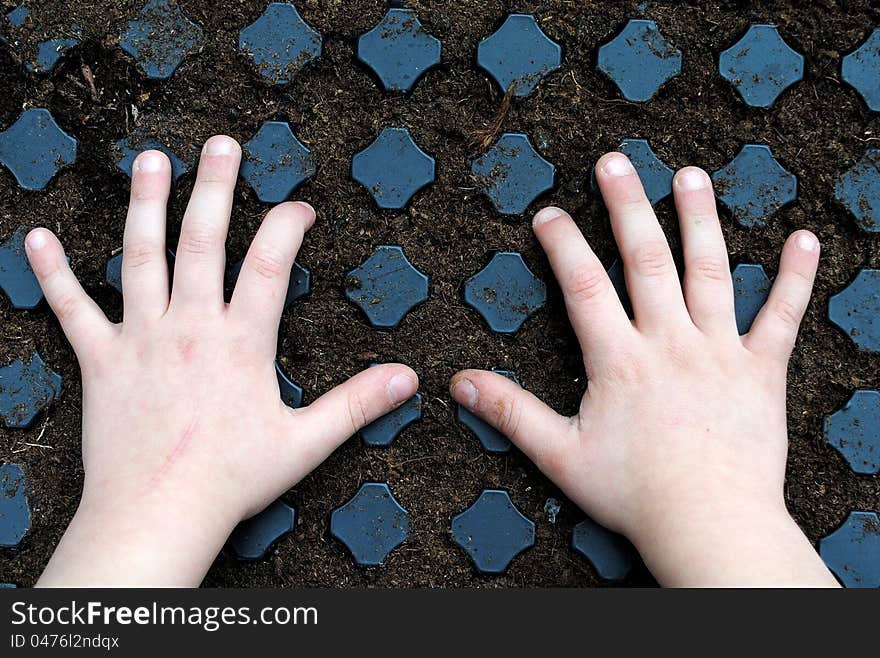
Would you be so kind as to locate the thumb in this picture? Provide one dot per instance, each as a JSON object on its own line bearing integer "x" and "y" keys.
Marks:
{"x": 341, "y": 412}
{"x": 531, "y": 425}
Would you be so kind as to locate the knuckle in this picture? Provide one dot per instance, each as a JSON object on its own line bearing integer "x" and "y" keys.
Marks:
{"x": 66, "y": 306}
{"x": 138, "y": 254}
{"x": 268, "y": 262}
{"x": 786, "y": 312}
{"x": 197, "y": 240}
{"x": 587, "y": 282}
{"x": 710, "y": 268}
{"x": 507, "y": 414}
{"x": 357, "y": 412}
{"x": 652, "y": 258}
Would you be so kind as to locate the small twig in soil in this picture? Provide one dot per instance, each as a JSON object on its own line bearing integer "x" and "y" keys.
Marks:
{"x": 483, "y": 137}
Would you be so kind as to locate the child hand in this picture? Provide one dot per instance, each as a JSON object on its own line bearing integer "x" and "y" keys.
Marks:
{"x": 680, "y": 442}
{"x": 184, "y": 430}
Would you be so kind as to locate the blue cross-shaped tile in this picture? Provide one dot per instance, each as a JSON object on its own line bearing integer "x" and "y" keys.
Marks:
{"x": 14, "y": 19}
{"x": 505, "y": 292}
{"x": 128, "y": 148}
{"x": 299, "y": 286}
{"x": 291, "y": 394}
{"x": 253, "y": 538}
{"x": 50, "y": 52}
{"x": 160, "y": 37}
{"x": 639, "y": 60}
{"x": 519, "y": 54}
{"x": 393, "y": 168}
{"x": 492, "y": 440}
{"x": 275, "y": 162}
{"x": 761, "y": 66}
{"x": 386, "y": 287}
{"x": 856, "y": 310}
{"x": 611, "y": 554}
{"x": 8, "y": 586}
{"x": 280, "y": 42}
{"x": 26, "y": 388}
{"x": 751, "y": 287}
{"x": 34, "y": 149}
{"x": 385, "y": 430}
{"x": 15, "y": 512}
{"x": 754, "y": 185}
{"x": 655, "y": 175}
{"x": 512, "y": 174}
{"x": 16, "y": 276}
{"x": 113, "y": 270}
{"x": 852, "y": 551}
{"x": 399, "y": 50}
{"x": 371, "y": 525}
{"x": 855, "y": 432}
{"x": 859, "y": 191}
{"x": 618, "y": 280}
{"x": 861, "y": 69}
{"x": 493, "y": 531}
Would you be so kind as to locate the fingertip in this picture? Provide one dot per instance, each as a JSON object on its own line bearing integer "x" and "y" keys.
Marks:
{"x": 221, "y": 145}
{"x": 151, "y": 162}
{"x": 463, "y": 390}
{"x": 614, "y": 164}
{"x": 308, "y": 211}
{"x": 37, "y": 239}
{"x": 806, "y": 241}
{"x": 691, "y": 179}
{"x": 547, "y": 215}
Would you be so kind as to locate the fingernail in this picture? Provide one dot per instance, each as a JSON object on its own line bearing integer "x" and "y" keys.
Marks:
{"x": 547, "y": 215}
{"x": 692, "y": 179}
{"x": 311, "y": 210}
{"x": 401, "y": 388}
{"x": 617, "y": 165}
{"x": 465, "y": 392}
{"x": 219, "y": 145}
{"x": 149, "y": 162}
{"x": 807, "y": 242}
{"x": 36, "y": 240}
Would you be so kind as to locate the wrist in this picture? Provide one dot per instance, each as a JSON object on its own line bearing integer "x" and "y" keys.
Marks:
{"x": 152, "y": 540}
{"x": 745, "y": 543}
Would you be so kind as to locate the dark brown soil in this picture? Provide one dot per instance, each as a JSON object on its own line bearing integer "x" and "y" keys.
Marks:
{"x": 436, "y": 469}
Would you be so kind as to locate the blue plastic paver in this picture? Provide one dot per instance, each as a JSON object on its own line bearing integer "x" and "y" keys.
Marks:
{"x": 17, "y": 279}
{"x": 491, "y": 439}
{"x": 852, "y": 551}
{"x": 50, "y": 52}
{"x": 393, "y": 168}
{"x": 399, "y": 50}
{"x": 751, "y": 287}
{"x": 655, "y": 175}
{"x": 859, "y": 191}
{"x": 856, "y": 310}
{"x": 383, "y": 431}
{"x": 639, "y": 60}
{"x": 280, "y": 42}
{"x": 493, "y": 531}
{"x": 371, "y": 525}
{"x": 754, "y": 185}
{"x": 113, "y": 270}
{"x": 299, "y": 286}
{"x": 128, "y": 148}
{"x": 519, "y": 55}
{"x": 160, "y": 38}
{"x": 618, "y": 280}
{"x": 291, "y": 394}
{"x": 512, "y": 174}
{"x": 26, "y": 388}
{"x": 253, "y": 538}
{"x": 505, "y": 292}
{"x": 854, "y": 432}
{"x": 34, "y": 149}
{"x": 761, "y": 65}
{"x": 8, "y": 586}
{"x": 18, "y": 16}
{"x": 15, "y": 512}
{"x": 275, "y": 162}
{"x": 386, "y": 287}
{"x": 861, "y": 69}
{"x": 611, "y": 554}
